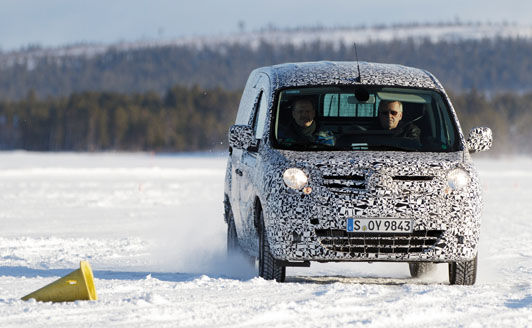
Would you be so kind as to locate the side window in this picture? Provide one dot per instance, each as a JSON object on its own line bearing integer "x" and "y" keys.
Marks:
{"x": 446, "y": 137}
{"x": 260, "y": 115}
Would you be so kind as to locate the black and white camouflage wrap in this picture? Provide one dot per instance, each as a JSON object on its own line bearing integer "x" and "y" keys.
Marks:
{"x": 480, "y": 139}
{"x": 392, "y": 185}
{"x": 363, "y": 184}
{"x": 245, "y": 138}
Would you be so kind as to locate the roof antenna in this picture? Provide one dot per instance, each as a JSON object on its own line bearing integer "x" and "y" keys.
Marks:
{"x": 358, "y": 66}
{"x": 360, "y": 93}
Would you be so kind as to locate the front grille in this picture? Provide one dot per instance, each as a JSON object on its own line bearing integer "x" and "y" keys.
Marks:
{"x": 345, "y": 184}
{"x": 354, "y": 242}
{"x": 357, "y": 183}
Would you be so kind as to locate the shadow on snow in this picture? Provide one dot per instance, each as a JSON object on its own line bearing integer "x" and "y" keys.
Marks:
{"x": 19, "y": 271}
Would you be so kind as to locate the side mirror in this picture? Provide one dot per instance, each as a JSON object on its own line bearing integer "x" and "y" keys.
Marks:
{"x": 242, "y": 137}
{"x": 480, "y": 139}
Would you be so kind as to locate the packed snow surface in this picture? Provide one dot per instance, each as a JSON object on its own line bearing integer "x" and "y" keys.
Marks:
{"x": 151, "y": 226}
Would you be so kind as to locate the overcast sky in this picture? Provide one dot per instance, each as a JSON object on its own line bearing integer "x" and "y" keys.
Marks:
{"x": 60, "y": 22}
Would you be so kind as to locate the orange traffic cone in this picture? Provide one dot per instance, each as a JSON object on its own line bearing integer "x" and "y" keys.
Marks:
{"x": 77, "y": 285}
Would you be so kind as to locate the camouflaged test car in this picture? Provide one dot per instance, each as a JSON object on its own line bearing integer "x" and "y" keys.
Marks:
{"x": 351, "y": 189}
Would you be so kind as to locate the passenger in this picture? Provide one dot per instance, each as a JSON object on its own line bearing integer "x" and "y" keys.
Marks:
{"x": 390, "y": 115}
{"x": 302, "y": 127}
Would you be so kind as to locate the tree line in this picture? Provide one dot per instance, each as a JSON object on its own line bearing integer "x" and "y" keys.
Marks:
{"x": 193, "y": 118}
{"x": 183, "y": 119}
{"x": 508, "y": 114}
{"x": 489, "y": 65}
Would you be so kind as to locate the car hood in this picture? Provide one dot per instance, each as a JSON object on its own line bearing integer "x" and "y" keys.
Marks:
{"x": 390, "y": 163}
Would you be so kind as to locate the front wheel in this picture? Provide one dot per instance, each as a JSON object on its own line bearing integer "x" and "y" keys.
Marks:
{"x": 420, "y": 269}
{"x": 268, "y": 268}
{"x": 232, "y": 239}
{"x": 463, "y": 273}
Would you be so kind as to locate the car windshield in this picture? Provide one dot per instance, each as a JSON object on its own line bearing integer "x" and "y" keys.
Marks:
{"x": 368, "y": 118}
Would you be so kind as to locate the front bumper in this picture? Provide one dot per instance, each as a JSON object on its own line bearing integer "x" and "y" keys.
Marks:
{"x": 314, "y": 227}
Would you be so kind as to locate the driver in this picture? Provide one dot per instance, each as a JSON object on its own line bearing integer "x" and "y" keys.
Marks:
{"x": 390, "y": 115}
{"x": 303, "y": 127}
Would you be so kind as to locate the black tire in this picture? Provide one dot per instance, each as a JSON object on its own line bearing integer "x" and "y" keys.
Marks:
{"x": 463, "y": 273}
{"x": 268, "y": 268}
{"x": 233, "y": 247}
{"x": 420, "y": 269}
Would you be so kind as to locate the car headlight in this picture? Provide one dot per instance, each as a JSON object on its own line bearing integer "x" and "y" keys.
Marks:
{"x": 458, "y": 179}
{"x": 295, "y": 178}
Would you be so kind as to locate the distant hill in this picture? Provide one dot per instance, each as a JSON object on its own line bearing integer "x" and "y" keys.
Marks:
{"x": 488, "y": 57}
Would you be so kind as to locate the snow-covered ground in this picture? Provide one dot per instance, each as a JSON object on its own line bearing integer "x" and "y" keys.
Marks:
{"x": 151, "y": 227}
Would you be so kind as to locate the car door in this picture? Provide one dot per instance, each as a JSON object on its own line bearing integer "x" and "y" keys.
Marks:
{"x": 245, "y": 171}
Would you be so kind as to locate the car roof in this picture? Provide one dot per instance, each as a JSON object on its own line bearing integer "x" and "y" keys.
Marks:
{"x": 346, "y": 73}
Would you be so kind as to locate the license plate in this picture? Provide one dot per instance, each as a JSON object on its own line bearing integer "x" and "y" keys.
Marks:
{"x": 380, "y": 225}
